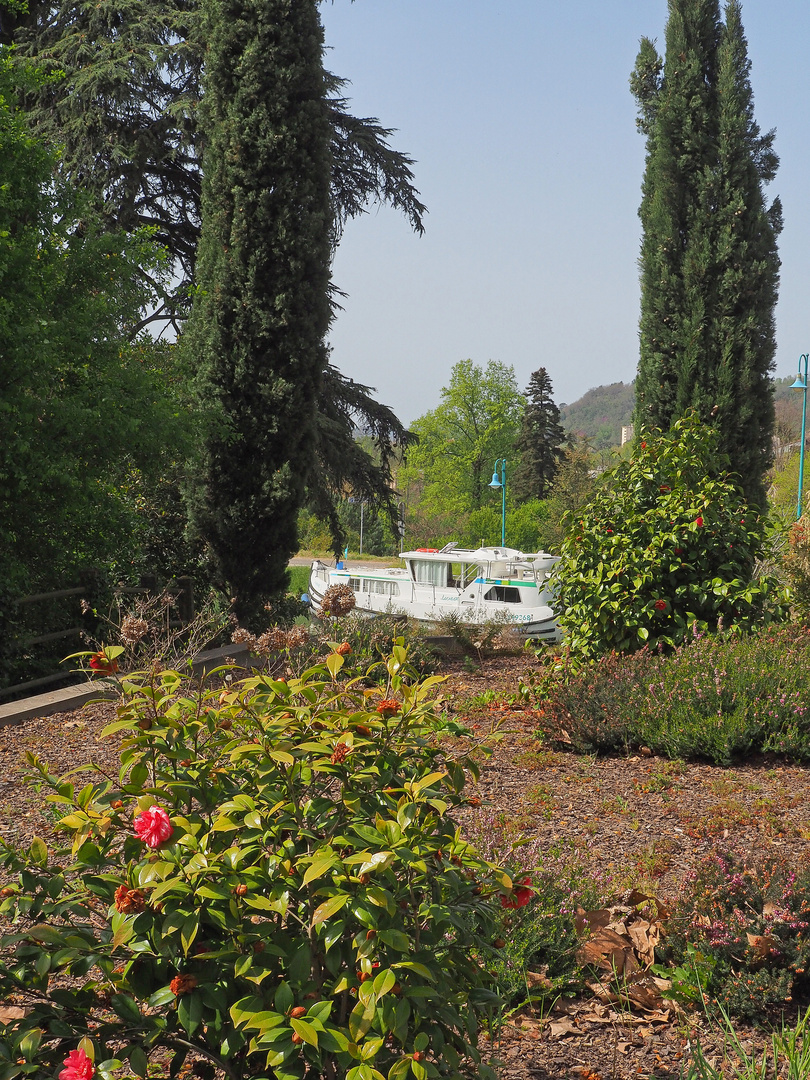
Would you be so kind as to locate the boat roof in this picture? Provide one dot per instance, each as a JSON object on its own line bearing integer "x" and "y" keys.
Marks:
{"x": 452, "y": 554}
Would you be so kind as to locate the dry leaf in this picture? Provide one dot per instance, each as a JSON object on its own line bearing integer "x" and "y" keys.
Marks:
{"x": 762, "y": 944}
{"x": 607, "y": 950}
{"x": 560, "y": 1028}
{"x": 537, "y": 980}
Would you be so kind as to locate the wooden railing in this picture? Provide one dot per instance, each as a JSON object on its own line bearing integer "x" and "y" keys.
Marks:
{"x": 182, "y": 587}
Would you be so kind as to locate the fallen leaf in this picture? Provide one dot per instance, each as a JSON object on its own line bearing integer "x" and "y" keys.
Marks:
{"x": 560, "y": 1028}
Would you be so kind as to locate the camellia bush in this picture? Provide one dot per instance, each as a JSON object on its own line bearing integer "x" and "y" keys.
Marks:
{"x": 666, "y": 544}
{"x": 273, "y": 887}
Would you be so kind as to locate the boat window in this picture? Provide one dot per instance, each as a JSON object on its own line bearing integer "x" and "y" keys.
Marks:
{"x": 464, "y": 573}
{"x": 427, "y": 572}
{"x": 383, "y": 588}
{"x": 507, "y": 593}
{"x": 354, "y": 583}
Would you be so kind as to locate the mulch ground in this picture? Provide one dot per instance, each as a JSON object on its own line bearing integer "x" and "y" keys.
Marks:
{"x": 635, "y": 822}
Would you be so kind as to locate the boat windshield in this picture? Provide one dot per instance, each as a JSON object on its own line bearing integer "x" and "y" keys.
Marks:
{"x": 427, "y": 572}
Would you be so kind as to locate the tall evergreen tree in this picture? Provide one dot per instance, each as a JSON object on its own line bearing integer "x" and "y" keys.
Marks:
{"x": 262, "y": 307}
{"x": 540, "y": 443}
{"x": 709, "y": 264}
{"x": 124, "y": 112}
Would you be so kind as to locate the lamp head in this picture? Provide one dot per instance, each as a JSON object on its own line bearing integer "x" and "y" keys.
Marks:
{"x": 799, "y": 384}
{"x": 495, "y": 482}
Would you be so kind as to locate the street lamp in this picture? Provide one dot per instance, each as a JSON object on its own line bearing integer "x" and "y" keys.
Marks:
{"x": 801, "y": 385}
{"x": 501, "y": 483}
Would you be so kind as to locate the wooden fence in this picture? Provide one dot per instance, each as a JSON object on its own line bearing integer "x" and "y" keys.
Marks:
{"x": 87, "y": 589}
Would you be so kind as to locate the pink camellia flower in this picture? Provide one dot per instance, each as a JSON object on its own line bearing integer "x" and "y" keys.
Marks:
{"x": 78, "y": 1066}
{"x": 520, "y": 896}
{"x": 699, "y": 521}
{"x": 153, "y": 826}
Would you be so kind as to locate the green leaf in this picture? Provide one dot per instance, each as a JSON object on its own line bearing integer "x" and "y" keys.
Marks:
{"x": 329, "y": 907}
{"x": 138, "y": 1061}
{"x": 39, "y": 851}
{"x": 307, "y": 1032}
{"x": 360, "y": 1019}
{"x": 320, "y": 865}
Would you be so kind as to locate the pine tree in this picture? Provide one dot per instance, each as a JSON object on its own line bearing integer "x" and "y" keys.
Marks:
{"x": 541, "y": 441}
{"x": 262, "y": 307}
{"x": 709, "y": 264}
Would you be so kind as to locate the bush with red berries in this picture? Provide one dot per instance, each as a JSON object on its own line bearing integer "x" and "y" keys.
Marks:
{"x": 273, "y": 887}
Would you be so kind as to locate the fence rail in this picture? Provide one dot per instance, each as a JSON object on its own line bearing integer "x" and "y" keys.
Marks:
{"x": 182, "y": 589}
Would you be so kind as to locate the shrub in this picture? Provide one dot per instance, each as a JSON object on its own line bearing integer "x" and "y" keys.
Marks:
{"x": 796, "y": 564}
{"x": 717, "y": 697}
{"x": 273, "y": 887}
{"x": 666, "y": 541}
{"x": 750, "y": 914}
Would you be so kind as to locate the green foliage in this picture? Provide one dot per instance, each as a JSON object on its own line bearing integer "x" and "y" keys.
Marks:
{"x": 719, "y": 697}
{"x": 748, "y": 913}
{"x": 303, "y": 903}
{"x": 459, "y": 442}
{"x": 262, "y": 304}
{"x": 667, "y": 542}
{"x": 709, "y": 265}
{"x": 70, "y": 299}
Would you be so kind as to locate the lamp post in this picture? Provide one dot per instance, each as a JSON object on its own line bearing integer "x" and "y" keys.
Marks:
{"x": 801, "y": 385}
{"x": 501, "y": 483}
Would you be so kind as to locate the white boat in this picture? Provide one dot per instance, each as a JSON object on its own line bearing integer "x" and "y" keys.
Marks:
{"x": 476, "y": 585}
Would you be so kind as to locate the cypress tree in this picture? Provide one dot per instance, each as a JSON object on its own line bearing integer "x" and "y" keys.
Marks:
{"x": 540, "y": 441}
{"x": 709, "y": 264}
{"x": 262, "y": 306}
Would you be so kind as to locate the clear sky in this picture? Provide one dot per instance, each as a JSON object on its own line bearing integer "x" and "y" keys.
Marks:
{"x": 520, "y": 118}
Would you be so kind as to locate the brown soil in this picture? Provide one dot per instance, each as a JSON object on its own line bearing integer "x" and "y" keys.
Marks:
{"x": 638, "y": 822}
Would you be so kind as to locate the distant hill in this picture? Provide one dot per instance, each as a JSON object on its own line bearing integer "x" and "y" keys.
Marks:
{"x": 600, "y": 414}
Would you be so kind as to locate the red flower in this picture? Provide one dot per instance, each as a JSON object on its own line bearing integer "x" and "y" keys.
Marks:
{"x": 660, "y": 605}
{"x": 609, "y": 531}
{"x": 78, "y": 1066}
{"x": 664, "y": 488}
{"x": 153, "y": 826}
{"x": 129, "y": 901}
{"x": 643, "y": 446}
{"x": 699, "y": 521}
{"x": 520, "y": 896}
{"x": 388, "y": 707}
{"x": 102, "y": 665}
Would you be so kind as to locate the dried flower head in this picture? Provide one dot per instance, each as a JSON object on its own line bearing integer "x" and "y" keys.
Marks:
{"x": 241, "y": 636}
{"x": 344, "y": 649}
{"x": 338, "y": 600}
{"x": 272, "y": 640}
{"x": 340, "y": 754}
{"x": 389, "y": 707}
{"x": 133, "y": 629}
{"x": 297, "y": 636}
{"x": 85, "y": 606}
{"x": 129, "y": 901}
{"x": 182, "y": 984}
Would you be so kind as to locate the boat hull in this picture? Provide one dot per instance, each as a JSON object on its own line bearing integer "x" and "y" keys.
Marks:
{"x": 394, "y": 592}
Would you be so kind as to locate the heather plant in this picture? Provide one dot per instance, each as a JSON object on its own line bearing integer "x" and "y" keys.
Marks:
{"x": 665, "y": 543}
{"x": 796, "y": 566}
{"x": 274, "y": 886}
{"x": 719, "y": 697}
{"x": 749, "y": 912}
